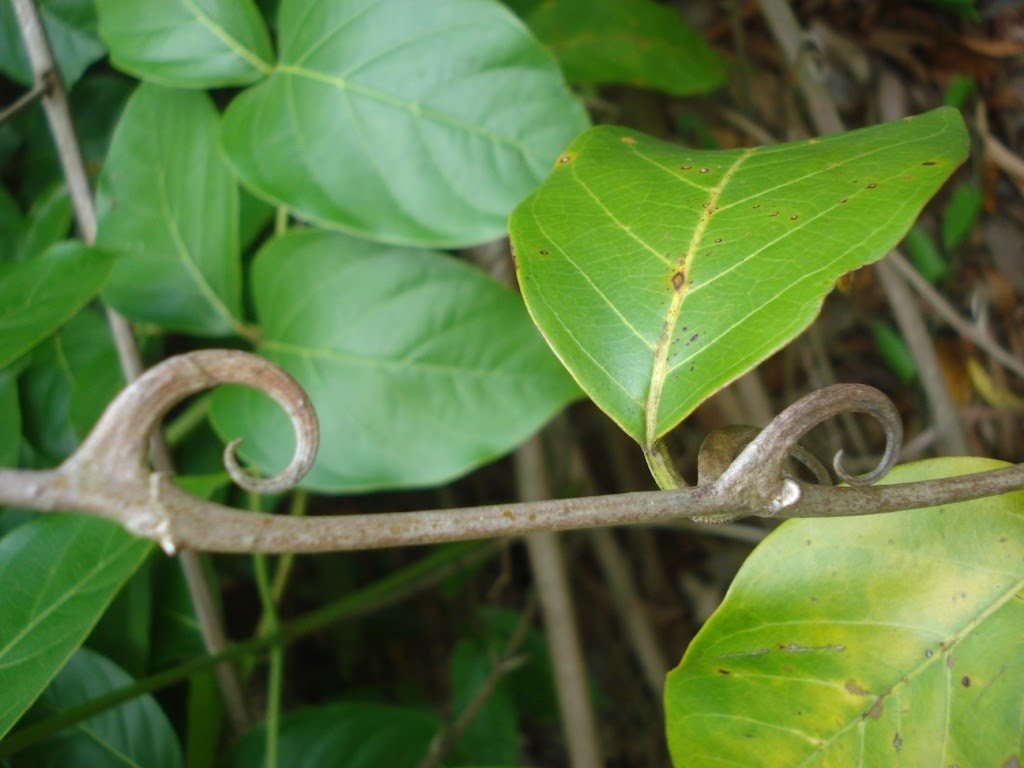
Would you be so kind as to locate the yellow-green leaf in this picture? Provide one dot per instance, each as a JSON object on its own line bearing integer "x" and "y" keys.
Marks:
{"x": 878, "y": 641}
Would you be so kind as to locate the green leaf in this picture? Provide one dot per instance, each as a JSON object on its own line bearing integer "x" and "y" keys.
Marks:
{"x": 136, "y": 733}
{"x": 659, "y": 274}
{"x": 12, "y": 224}
{"x": 70, "y": 27}
{"x": 48, "y": 222}
{"x": 960, "y": 215}
{"x": 880, "y": 640}
{"x": 492, "y": 737}
{"x": 72, "y": 378}
{"x": 59, "y": 574}
{"x": 925, "y": 255}
{"x": 894, "y": 350}
{"x": 38, "y": 296}
{"x": 187, "y": 43}
{"x": 176, "y": 632}
{"x": 629, "y": 42}
{"x": 10, "y": 420}
{"x": 419, "y": 366}
{"x": 405, "y": 122}
{"x": 960, "y": 90}
{"x": 124, "y": 632}
{"x": 363, "y": 735}
{"x": 170, "y": 211}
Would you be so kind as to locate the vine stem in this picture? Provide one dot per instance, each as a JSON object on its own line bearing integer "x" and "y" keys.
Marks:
{"x": 108, "y": 477}
{"x": 58, "y": 116}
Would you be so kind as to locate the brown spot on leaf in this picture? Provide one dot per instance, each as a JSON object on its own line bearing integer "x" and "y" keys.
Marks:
{"x": 686, "y": 167}
{"x": 773, "y": 214}
{"x": 793, "y": 217}
{"x": 965, "y": 681}
{"x": 855, "y": 688}
{"x": 949, "y": 661}
{"x": 872, "y": 185}
{"x": 897, "y": 741}
{"x": 565, "y": 159}
{"x": 703, "y": 170}
{"x": 724, "y": 671}
{"x": 678, "y": 280}
{"x": 757, "y": 205}
{"x": 843, "y": 201}
{"x": 628, "y": 140}
{"x": 542, "y": 252}
{"x": 1012, "y": 762}
{"x": 928, "y": 162}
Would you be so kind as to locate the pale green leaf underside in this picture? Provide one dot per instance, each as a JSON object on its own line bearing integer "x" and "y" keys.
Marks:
{"x": 405, "y": 122}
{"x": 170, "y": 212}
{"x": 187, "y": 43}
{"x": 658, "y": 274}
{"x": 419, "y": 366}
{"x": 136, "y": 733}
{"x": 59, "y": 574}
{"x": 40, "y": 295}
{"x": 865, "y": 641}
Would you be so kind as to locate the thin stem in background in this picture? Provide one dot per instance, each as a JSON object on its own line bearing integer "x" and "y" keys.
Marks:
{"x": 275, "y": 671}
{"x": 58, "y": 116}
{"x": 547, "y": 563}
{"x": 952, "y": 439}
{"x": 948, "y": 314}
{"x": 447, "y": 738}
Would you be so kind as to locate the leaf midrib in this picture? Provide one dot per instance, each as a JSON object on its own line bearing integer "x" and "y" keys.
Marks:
{"x": 950, "y": 643}
{"x": 659, "y": 367}
{"x": 80, "y": 587}
{"x": 232, "y": 43}
{"x": 185, "y": 257}
{"x": 415, "y": 109}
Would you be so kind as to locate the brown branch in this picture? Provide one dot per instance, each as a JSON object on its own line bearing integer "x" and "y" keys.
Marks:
{"x": 107, "y": 477}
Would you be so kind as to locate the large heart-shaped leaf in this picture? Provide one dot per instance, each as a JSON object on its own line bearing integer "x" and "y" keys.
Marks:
{"x": 879, "y": 641}
{"x": 353, "y": 734}
{"x": 658, "y": 274}
{"x": 187, "y": 43}
{"x": 406, "y": 122}
{"x": 136, "y": 733}
{"x": 171, "y": 213}
{"x": 633, "y": 42}
{"x": 38, "y": 296}
{"x": 419, "y": 366}
{"x": 58, "y": 576}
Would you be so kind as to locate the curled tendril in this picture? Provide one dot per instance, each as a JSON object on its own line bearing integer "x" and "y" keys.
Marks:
{"x": 120, "y": 440}
{"x": 722, "y": 446}
{"x": 756, "y": 475}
